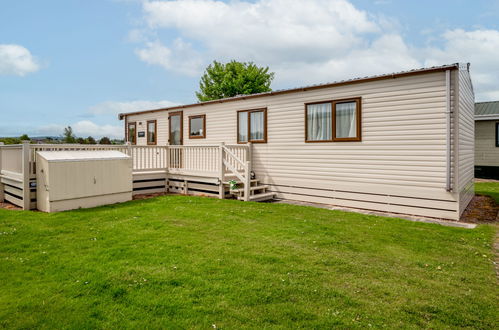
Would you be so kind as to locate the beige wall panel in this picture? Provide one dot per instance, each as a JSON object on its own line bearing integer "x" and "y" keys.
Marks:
{"x": 486, "y": 152}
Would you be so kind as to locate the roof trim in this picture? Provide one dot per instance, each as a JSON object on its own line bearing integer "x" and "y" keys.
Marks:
{"x": 454, "y": 66}
{"x": 487, "y": 117}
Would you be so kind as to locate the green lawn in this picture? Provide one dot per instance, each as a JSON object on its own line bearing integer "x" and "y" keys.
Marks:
{"x": 488, "y": 188}
{"x": 187, "y": 262}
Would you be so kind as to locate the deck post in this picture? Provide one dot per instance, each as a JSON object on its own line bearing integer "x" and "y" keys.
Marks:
{"x": 221, "y": 174}
{"x": 2, "y": 194}
{"x": 167, "y": 167}
{"x": 26, "y": 175}
{"x": 250, "y": 156}
{"x": 247, "y": 183}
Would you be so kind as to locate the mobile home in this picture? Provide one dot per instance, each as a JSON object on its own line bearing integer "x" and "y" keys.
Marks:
{"x": 487, "y": 140}
{"x": 400, "y": 142}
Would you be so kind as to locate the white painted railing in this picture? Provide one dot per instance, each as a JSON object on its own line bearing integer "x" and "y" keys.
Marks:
{"x": 206, "y": 160}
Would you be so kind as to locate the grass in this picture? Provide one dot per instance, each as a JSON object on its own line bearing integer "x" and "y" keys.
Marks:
{"x": 187, "y": 262}
{"x": 488, "y": 188}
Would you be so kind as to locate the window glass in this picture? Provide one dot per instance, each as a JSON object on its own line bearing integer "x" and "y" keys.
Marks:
{"x": 197, "y": 126}
{"x": 257, "y": 125}
{"x": 243, "y": 127}
{"x": 131, "y": 132}
{"x": 151, "y": 132}
{"x": 346, "y": 120}
{"x": 319, "y": 123}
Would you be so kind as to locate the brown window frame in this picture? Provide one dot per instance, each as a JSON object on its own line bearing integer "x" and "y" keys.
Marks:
{"x": 248, "y": 111}
{"x": 358, "y": 112}
{"x": 175, "y": 113}
{"x": 155, "y": 132}
{"x": 204, "y": 127}
{"x": 134, "y": 123}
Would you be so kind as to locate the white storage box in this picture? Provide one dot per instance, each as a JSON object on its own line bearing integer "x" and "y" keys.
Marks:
{"x": 80, "y": 179}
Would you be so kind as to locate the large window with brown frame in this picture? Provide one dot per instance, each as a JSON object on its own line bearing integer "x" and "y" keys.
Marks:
{"x": 197, "y": 127}
{"x": 333, "y": 121}
{"x": 252, "y": 126}
{"x": 151, "y": 132}
{"x": 132, "y": 132}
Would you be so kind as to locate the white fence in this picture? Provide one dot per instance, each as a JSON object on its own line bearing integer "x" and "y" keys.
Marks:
{"x": 18, "y": 164}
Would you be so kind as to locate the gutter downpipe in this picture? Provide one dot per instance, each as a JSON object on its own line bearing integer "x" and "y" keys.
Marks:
{"x": 448, "y": 146}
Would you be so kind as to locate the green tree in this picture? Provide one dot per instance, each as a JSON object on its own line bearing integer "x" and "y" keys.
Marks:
{"x": 104, "y": 140}
{"x": 80, "y": 140}
{"x": 233, "y": 78}
{"x": 24, "y": 137}
{"x": 69, "y": 136}
{"x": 91, "y": 140}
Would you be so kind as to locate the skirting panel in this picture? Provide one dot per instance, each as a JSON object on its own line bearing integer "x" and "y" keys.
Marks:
{"x": 385, "y": 203}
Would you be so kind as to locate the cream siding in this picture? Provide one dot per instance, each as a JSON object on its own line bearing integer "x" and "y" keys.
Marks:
{"x": 466, "y": 140}
{"x": 486, "y": 152}
{"x": 399, "y": 166}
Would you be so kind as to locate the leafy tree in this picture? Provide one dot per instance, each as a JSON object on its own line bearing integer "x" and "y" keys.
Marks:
{"x": 90, "y": 140}
{"x": 104, "y": 140}
{"x": 233, "y": 78}
{"x": 69, "y": 136}
{"x": 24, "y": 137}
{"x": 80, "y": 140}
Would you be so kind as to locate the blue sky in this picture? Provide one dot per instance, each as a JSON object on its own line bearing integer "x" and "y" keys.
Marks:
{"x": 80, "y": 63}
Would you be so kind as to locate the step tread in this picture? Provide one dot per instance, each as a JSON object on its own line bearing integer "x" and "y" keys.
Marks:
{"x": 260, "y": 197}
{"x": 240, "y": 182}
{"x": 252, "y": 188}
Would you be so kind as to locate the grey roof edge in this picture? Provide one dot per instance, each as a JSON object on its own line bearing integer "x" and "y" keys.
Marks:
{"x": 453, "y": 66}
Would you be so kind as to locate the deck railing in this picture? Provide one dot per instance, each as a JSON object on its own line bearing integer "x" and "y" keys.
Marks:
{"x": 18, "y": 162}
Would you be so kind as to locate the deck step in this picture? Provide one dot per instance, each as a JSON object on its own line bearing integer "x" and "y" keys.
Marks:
{"x": 260, "y": 197}
{"x": 239, "y": 182}
{"x": 253, "y": 188}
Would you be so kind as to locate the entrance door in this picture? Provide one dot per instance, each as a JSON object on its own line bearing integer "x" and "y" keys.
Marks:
{"x": 175, "y": 138}
{"x": 176, "y": 128}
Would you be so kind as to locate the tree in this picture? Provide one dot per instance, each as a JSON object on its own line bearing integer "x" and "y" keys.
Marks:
{"x": 69, "y": 136}
{"x": 80, "y": 140}
{"x": 91, "y": 140}
{"x": 104, "y": 140}
{"x": 233, "y": 78}
{"x": 24, "y": 137}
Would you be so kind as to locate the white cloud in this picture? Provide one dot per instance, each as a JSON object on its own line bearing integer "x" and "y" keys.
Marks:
{"x": 82, "y": 128}
{"x": 16, "y": 60}
{"x": 114, "y": 108}
{"x": 306, "y": 42}
{"x": 180, "y": 57}
{"x": 478, "y": 47}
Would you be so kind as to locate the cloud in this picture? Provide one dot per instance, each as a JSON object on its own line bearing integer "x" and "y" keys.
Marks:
{"x": 16, "y": 60}
{"x": 114, "y": 108}
{"x": 305, "y": 42}
{"x": 82, "y": 128}
{"x": 478, "y": 47}
{"x": 180, "y": 57}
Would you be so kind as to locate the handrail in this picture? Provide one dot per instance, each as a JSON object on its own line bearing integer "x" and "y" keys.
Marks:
{"x": 230, "y": 153}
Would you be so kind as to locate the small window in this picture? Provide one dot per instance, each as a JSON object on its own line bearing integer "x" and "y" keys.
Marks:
{"x": 132, "y": 133}
{"x": 319, "y": 125}
{"x": 252, "y": 126}
{"x": 333, "y": 121}
{"x": 151, "y": 132}
{"x": 347, "y": 120}
{"x": 197, "y": 127}
{"x": 497, "y": 134}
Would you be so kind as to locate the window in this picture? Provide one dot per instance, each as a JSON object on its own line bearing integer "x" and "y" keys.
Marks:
{"x": 151, "y": 132}
{"x": 197, "y": 127}
{"x": 252, "y": 126}
{"x": 329, "y": 121}
{"x": 132, "y": 133}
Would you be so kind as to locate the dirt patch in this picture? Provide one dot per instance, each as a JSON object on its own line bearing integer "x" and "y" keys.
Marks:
{"x": 9, "y": 206}
{"x": 146, "y": 196}
{"x": 482, "y": 209}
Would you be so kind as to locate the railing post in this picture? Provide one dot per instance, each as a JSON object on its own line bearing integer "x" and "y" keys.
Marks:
{"x": 2, "y": 194}
{"x": 221, "y": 172}
{"x": 167, "y": 167}
{"x": 247, "y": 183}
{"x": 249, "y": 155}
{"x": 26, "y": 175}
